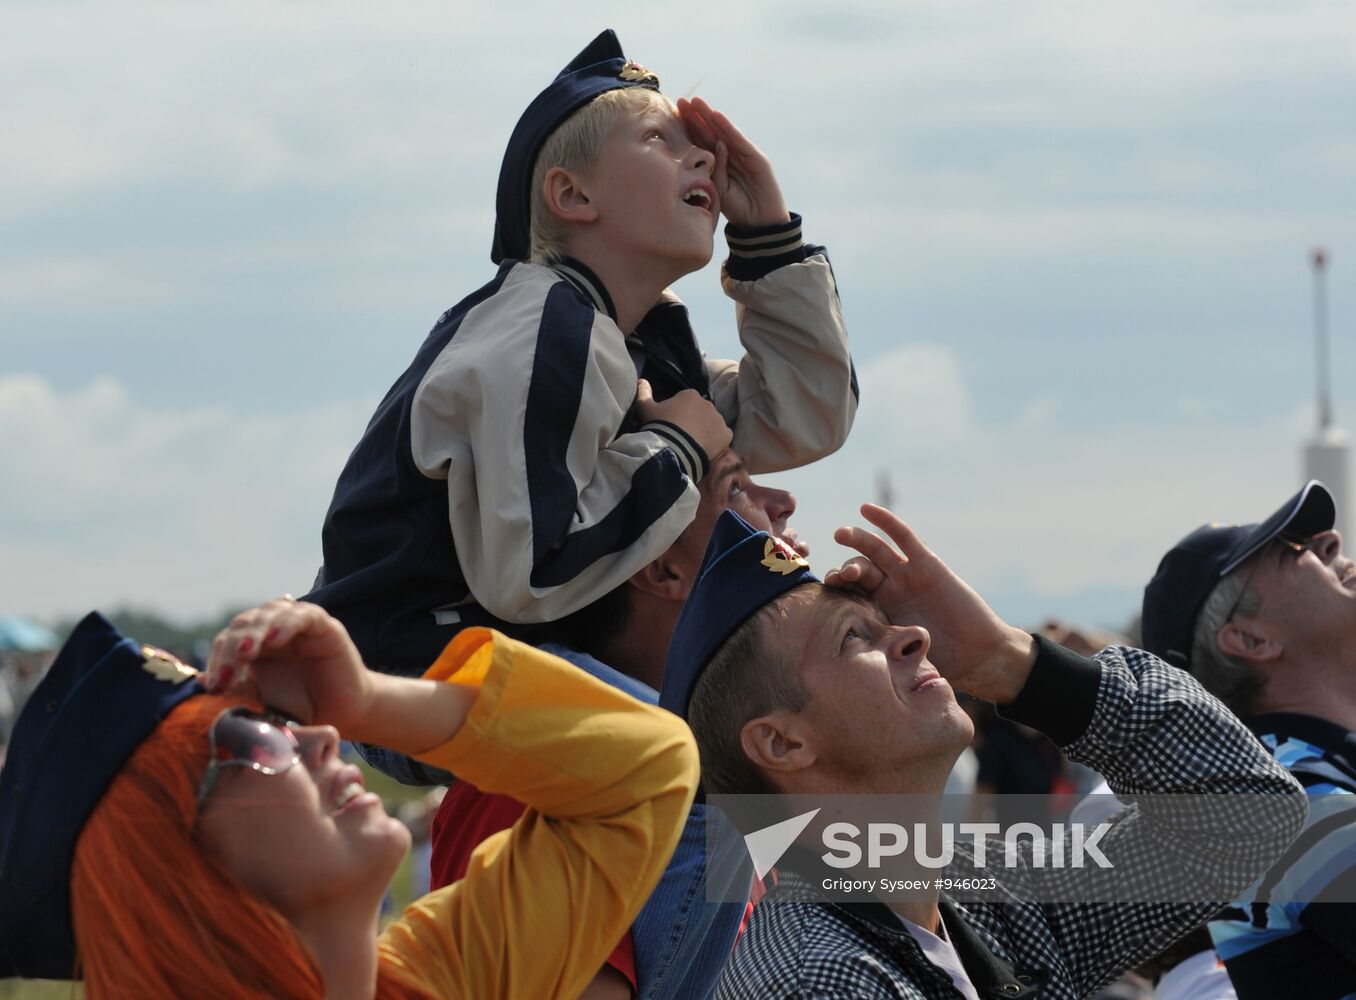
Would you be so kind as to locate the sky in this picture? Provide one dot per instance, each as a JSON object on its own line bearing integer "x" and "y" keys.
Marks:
{"x": 1071, "y": 241}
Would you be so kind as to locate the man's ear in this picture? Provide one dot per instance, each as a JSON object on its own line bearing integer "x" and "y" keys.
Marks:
{"x": 662, "y": 578}
{"x": 1248, "y": 641}
{"x": 566, "y": 197}
{"x": 776, "y": 743}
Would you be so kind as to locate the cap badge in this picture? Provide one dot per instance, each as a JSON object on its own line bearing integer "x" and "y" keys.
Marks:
{"x": 782, "y": 558}
{"x": 634, "y": 72}
{"x": 164, "y": 667}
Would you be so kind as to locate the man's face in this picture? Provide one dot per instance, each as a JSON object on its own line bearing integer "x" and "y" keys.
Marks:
{"x": 876, "y": 707}
{"x": 727, "y": 486}
{"x": 653, "y": 191}
{"x": 1307, "y": 592}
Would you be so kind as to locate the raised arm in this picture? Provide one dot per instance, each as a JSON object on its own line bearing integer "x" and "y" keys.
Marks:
{"x": 520, "y": 417}
{"x": 1212, "y": 808}
{"x": 792, "y": 397}
{"x": 608, "y": 782}
{"x": 294, "y": 657}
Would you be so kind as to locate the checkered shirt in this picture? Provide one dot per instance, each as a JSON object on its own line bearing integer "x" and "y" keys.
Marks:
{"x": 1153, "y": 731}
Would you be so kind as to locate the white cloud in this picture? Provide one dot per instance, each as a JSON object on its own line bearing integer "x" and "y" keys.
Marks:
{"x": 111, "y": 498}
{"x": 1051, "y": 501}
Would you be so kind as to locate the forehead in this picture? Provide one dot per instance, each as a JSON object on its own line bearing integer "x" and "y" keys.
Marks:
{"x": 641, "y": 102}
{"x": 811, "y": 617}
{"x": 728, "y": 465}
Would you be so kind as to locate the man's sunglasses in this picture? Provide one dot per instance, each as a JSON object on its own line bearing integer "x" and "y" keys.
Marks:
{"x": 1290, "y": 545}
{"x": 242, "y": 737}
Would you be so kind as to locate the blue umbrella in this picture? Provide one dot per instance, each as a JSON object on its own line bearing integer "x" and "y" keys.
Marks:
{"x": 24, "y": 635}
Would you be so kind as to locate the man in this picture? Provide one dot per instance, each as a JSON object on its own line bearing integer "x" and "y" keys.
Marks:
{"x": 679, "y": 942}
{"x": 1264, "y": 615}
{"x": 794, "y": 687}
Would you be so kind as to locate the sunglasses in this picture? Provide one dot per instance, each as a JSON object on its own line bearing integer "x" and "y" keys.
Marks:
{"x": 1290, "y": 545}
{"x": 242, "y": 737}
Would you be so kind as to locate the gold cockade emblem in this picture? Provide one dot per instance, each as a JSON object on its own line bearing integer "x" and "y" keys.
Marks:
{"x": 634, "y": 72}
{"x": 781, "y": 558}
{"x": 164, "y": 667}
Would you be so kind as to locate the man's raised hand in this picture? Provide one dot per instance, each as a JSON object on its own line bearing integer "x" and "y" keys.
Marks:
{"x": 973, "y": 648}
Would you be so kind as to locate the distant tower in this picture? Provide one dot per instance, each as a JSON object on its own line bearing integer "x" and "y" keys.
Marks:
{"x": 1325, "y": 454}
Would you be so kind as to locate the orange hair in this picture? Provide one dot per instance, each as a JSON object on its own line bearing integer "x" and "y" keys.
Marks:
{"x": 153, "y": 916}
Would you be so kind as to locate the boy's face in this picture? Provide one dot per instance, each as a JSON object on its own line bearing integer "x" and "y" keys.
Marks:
{"x": 652, "y": 189}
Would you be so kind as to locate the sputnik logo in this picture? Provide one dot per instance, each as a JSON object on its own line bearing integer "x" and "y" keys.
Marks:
{"x": 766, "y": 846}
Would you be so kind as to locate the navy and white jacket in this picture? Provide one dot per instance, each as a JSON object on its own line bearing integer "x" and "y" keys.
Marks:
{"x": 504, "y": 478}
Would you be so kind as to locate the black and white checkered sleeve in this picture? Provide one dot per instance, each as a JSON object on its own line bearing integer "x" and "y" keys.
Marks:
{"x": 1211, "y": 811}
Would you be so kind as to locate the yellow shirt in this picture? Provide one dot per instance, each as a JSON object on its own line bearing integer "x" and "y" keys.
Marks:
{"x": 608, "y": 782}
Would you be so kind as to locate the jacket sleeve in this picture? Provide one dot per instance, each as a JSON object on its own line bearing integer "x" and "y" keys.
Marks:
{"x": 791, "y": 399}
{"x": 1211, "y": 808}
{"x": 607, "y": 781}
{"x": 550, "y": 506}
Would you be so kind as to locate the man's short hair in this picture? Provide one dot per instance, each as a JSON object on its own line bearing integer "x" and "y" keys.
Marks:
{"x": 575, "y": 146}
{"x": 745, "y": 678}
{"x": 1232, "y": 680}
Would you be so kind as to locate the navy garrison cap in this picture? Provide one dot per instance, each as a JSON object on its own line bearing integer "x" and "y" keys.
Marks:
{"x": 599, "y": 68}
{"x": 743, "y": 570}
{"x": 1189, "y": 572}
{"x": 102, "y": 696}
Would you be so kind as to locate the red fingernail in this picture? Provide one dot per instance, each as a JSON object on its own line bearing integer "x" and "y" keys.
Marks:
{"x": 272, "y": 634}
{"x": 246, "y": 644}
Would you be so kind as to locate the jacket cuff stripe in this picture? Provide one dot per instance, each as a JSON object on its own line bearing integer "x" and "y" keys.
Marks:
{"x": 689, "y": 452}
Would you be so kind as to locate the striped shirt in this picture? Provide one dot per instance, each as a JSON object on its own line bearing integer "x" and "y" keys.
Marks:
{"x": 1290, "y": 933}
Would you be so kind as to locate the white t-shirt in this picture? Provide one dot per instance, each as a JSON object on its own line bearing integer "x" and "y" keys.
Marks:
{"x": 941, "y": 953}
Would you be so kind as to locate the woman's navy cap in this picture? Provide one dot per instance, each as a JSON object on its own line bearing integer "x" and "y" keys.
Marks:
{"x": 102, "y": 696}
{"x": 743, "y": 570}
{"x": 1189, "y": 572}
{"x": 599, "y": 68}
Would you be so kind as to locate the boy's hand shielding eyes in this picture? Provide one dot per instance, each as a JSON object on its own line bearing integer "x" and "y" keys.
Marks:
{"x": 748, "y": 189}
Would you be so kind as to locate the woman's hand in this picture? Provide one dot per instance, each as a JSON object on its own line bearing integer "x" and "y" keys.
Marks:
{"x": 295, "y": 658}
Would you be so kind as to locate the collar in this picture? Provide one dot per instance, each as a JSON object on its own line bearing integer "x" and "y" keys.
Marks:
{"x": 992, "y": 976}
{"x": 578, "y": 274}
{"x": 1336, "y": 743}
{"x": 1327, "y": 736}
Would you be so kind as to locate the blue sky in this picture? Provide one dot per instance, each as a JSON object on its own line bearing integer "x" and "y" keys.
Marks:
{"x": 1071, "y": 242}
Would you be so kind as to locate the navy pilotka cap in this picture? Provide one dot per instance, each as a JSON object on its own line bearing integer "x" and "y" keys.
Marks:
{"x": 599, "y": 68}
{"x": 1189, "y": 572}
{"x": 101, "y": 698}
{"x": 743, "y": 570}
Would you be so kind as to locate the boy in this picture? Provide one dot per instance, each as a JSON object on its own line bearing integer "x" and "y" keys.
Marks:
{"x": 519, "y": 470}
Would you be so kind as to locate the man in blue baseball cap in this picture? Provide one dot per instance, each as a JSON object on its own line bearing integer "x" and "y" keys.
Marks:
{"x": 1264, "y": 615}
{"x": 799, "y": 688}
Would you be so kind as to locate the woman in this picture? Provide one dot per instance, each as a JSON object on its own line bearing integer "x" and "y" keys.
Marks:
{"x": 177, "y": 841}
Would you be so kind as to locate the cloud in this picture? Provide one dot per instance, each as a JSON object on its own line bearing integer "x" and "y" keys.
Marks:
{"x": 114, "y": 498}
{"x": 1042, "y": 506}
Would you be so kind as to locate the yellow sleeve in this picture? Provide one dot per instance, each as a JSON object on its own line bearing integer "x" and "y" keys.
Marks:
{"x": 607, "y": 781}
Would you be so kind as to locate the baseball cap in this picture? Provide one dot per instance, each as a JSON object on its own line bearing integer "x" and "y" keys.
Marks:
{"x": 1192, "y": 568}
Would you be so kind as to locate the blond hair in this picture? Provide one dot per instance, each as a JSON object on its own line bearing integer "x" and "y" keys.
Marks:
{"x": 575, "y": 146}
